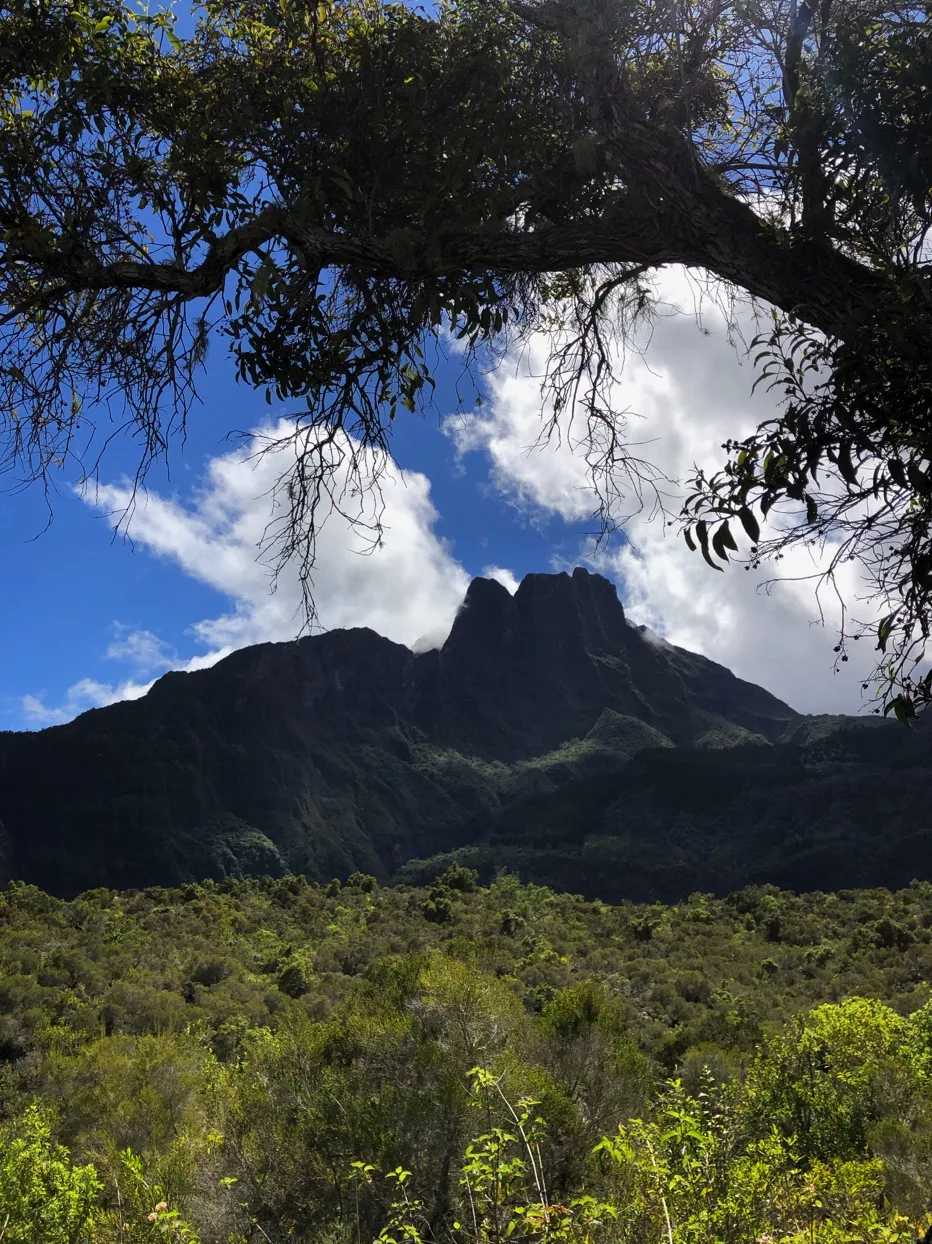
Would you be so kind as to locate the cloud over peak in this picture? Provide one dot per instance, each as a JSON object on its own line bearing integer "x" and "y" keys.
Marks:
{"x": 687, "y": 394}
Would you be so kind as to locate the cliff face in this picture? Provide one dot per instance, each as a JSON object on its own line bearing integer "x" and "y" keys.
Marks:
{"x": 346, "y": 752}
{"x": 524, "y": 673}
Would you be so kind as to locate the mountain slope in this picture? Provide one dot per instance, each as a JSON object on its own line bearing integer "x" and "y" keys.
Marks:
{"x": 546, "y": 729}
{"x": 675, "y": 822}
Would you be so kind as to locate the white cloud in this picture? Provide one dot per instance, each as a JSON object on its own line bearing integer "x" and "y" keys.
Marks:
{"x": 145, "y": 652}
{"x": 80, "y": 696}
{"x": 506, "y": 578}
{"x": 409, "y": 585}
{"x": 550, "y": 476}
{"x": 408, "y": 589}
{"x": 689, "y": 392}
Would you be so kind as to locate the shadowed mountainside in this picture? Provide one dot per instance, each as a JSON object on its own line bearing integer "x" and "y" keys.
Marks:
{"x": 546, "y": 735}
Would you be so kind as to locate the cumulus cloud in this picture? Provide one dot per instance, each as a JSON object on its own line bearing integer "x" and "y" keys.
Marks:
{"x": 688, "y": 392}
{"x": 534, "y": 475}
{"x": 407, "y": 589}
{"x": 409, "y": 585}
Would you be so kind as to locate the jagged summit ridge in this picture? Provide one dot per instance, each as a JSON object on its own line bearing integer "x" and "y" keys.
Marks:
{"x": 581, "y": 604}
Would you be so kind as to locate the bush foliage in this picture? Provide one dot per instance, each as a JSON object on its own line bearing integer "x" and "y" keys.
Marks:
{"x": 275, "y": 1060}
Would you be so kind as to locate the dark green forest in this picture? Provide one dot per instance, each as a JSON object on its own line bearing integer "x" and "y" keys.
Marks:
{"x": 275, "y": 1060}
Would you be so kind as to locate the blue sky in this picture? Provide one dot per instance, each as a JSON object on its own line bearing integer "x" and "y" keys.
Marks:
{"x": 90, "y": 617}
{"x": 75, "y": 589}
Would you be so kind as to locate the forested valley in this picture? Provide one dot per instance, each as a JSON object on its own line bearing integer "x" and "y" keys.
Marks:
{"x": 279, "y": 1060}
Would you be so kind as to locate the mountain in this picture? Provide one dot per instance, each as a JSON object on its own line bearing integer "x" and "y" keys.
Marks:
{"x": 548, "y": 735}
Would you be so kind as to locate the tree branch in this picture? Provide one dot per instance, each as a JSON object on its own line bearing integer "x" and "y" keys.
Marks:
{"x": 707, "y": 228}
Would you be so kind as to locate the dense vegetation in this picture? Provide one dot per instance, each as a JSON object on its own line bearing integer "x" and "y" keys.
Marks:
{"x": 275, "y": 1060}
{"x": 801, "y": 814}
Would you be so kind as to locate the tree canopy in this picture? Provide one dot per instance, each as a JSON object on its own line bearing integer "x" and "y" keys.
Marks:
{"x": 332, "y": 187}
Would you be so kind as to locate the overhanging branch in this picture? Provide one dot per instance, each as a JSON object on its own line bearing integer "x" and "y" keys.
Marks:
{"x": 710, "y": 230}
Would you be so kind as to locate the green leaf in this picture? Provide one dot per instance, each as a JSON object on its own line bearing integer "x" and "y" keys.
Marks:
{"x": 728, "y": 539}
{"x": 918, "y": 478}
{"x": 883, "y": 631}
{"x": 702, "y": 533}
{"x": 718, "y": 544}
{"x": 750, "y": 524}
{"x": 903, "y": 708}
{"x": 585, "y": 154}
{"x": 846, "y": 466}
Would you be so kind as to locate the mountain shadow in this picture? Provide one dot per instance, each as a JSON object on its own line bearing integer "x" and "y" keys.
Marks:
{"x": 548, "y": 735}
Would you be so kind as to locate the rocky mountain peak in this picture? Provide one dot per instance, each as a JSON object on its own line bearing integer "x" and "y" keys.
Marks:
{"x": 581, "y": 605}
{"x": 347, "y": 751}
{"x": 547, "y": 611}
{"x": 487, "y": 614}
